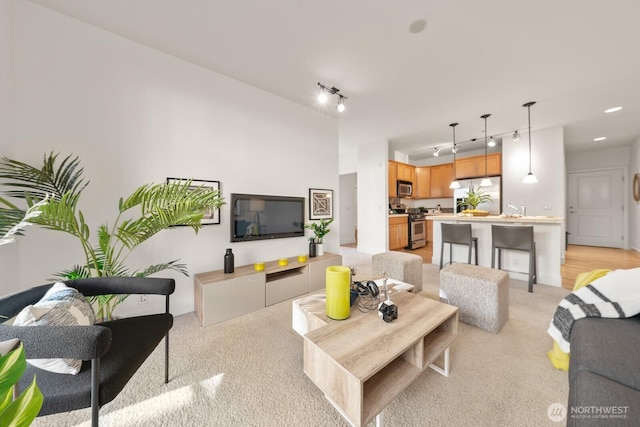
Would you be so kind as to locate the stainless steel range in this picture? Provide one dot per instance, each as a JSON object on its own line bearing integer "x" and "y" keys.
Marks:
{"x": 417, "y": 229}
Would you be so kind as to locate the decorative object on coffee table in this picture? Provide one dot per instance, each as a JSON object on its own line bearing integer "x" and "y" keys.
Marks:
{"x": 338, "y": 291}
{"x": 400, "y": 266}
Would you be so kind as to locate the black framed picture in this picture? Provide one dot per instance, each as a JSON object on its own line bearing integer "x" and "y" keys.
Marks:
{"x": 320, "y": 203}
{"x": 212, "y": 216}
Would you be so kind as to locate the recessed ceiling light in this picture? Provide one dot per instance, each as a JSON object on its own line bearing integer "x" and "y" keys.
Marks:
{"x": 612, "y": 109}
{"x": 417, "y": 26}
{"x": 600, "y": 138}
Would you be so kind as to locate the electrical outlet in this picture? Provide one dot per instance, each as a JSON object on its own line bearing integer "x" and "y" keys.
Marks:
{"x": 143, "y": 299}
{"x": 547, "y": 206}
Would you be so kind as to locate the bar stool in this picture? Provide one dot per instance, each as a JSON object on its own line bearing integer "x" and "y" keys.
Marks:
{"x": 517, "y": 238}
{"x": 457, "y": 234}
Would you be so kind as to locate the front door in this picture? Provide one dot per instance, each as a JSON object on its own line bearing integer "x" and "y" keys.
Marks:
{"x": 596, "y": 208}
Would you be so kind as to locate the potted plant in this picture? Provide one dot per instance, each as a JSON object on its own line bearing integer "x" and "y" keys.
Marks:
{"x": 19, "y": 412}
{"x": 320, "y": 229}
{"x": 474, "y": 198}
{"x": 159, "y": 206}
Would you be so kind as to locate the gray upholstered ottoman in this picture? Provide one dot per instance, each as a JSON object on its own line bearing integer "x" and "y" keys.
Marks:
{"x": 481, "y": 294}
{"x": 400, "y": 266}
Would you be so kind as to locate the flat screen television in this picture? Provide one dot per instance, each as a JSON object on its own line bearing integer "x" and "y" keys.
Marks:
{"x": 259, "y": 217}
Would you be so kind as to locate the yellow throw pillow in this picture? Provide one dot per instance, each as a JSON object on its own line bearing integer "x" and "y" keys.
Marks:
{"x": 559, "y": 359}
{"x": 583, "y": 279}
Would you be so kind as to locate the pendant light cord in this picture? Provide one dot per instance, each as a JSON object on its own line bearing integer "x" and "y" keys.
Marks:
{"x": 529, "y": 119}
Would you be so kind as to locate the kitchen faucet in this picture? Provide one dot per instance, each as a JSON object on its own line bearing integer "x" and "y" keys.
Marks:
{"x": 509, "y": 205}
{"x": 522, "y": 211}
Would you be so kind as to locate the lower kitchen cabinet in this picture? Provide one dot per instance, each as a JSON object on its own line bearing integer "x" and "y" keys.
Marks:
{"x": 398, "y": 232}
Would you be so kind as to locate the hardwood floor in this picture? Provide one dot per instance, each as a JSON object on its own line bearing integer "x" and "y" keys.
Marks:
{"x": 578, "y": 259}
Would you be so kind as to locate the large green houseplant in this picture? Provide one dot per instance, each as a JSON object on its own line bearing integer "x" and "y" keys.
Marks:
{"x": 158, "y": 207}
{"x": 21, "y": 411}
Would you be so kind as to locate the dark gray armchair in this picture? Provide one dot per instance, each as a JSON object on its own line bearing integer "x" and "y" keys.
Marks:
{"x": 112, "y": 351}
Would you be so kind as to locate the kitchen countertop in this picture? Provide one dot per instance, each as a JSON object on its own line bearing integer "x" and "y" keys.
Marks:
{"x": 498, "y": 218}
{"x": 397, "y": 215}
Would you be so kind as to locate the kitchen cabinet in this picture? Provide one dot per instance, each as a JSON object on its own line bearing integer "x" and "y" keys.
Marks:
{"x": 429, "y": 236}
{"x": 474, "y": 167}
{"x": 398, "y": 232}
{"x": 422, "y": 185}
{"x": 441, "y": 177}
{"x": 393, "y": 177}
{"x": 406, "y": 172}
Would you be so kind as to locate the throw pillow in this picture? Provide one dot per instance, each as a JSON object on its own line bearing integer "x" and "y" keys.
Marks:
{"x": 60, "y": 306}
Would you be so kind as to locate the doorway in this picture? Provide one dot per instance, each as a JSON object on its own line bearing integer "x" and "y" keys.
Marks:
{"x": 348, "y": 208}
{"x": 596, "y": 208}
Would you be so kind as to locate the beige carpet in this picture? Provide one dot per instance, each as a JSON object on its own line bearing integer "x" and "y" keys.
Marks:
{"x": 248, "y": 372}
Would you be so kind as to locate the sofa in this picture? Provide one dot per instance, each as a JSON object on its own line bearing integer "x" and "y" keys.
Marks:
{"x": 604, "y": 372}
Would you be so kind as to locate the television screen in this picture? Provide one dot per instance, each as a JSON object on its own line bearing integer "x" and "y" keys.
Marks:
{"x": 258, "y": 217}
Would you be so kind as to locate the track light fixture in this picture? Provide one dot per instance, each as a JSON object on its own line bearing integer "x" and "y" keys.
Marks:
{"x": 323, "y": 96}
{"x": 515, "y": 137}
{"x": 436, "y": 152}
{"x": 492, "y": 142}
{"x": 454, "y": 184}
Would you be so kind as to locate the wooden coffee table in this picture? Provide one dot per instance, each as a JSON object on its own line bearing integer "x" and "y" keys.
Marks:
{"x": 362, "y": 363}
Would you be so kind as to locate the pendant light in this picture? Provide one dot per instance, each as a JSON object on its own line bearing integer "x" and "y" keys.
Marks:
{"x": 530, "y": 178}
{"x": 454, "y": 184}
{"x": 486, "y": 182}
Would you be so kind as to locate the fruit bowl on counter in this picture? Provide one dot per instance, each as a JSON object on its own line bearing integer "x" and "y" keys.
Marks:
{"x": 475, "y": 212}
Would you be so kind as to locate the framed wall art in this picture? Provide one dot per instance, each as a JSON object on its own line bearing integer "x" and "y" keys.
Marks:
{"x": 320, "y": 203}
{"x": 212, "y": 216}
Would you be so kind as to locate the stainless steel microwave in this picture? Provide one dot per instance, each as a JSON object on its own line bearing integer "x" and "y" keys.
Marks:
{"x": 405, "y": 189}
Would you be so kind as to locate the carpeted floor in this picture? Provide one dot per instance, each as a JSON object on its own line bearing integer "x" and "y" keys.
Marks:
{"x": 248, "y": 372}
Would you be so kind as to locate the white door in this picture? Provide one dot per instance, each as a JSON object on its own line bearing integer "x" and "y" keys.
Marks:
{"x": 596, "y": 208}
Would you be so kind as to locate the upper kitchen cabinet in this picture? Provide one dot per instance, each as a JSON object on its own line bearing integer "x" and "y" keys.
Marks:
{"x": 441, "y": 177}
{"x": 400, "y": 172}
{"x": 422, "y": 185}
{"x": 473, "y": 167}
{"x": 393, "y": 177}
{"x": 406, "y": 172}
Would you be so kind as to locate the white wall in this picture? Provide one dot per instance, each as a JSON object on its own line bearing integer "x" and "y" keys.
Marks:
{"x": 598, "y": 159}
{"x": 547, "y": 164}
{"x": 348, "y": 208}
{"x": 373, "y": 202}
{"x": 634, "y": 207}
{"x": 135, "y": 115}
{"x": 8, "y": 253}
{"x": 548, "y": 195}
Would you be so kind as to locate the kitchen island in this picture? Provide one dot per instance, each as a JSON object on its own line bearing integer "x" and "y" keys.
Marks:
{"x": 548, "y": 234}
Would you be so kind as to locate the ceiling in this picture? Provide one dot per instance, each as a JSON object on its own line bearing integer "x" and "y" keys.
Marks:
{"x": 575, "y": 58}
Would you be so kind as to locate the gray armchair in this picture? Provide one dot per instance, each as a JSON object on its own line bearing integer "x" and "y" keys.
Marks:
{"x": 111, "y": 351}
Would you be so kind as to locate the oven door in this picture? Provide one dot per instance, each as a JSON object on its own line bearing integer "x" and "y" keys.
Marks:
{"x": 417, "y": 234}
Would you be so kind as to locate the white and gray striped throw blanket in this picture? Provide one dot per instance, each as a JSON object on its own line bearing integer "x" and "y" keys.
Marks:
{"x": 616, "y": 295}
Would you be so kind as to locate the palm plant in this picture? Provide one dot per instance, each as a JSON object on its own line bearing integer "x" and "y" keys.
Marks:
{"x": 474, "y": 197}
{"x": 160, "y": 207}
{"x": 23, "y": 410}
